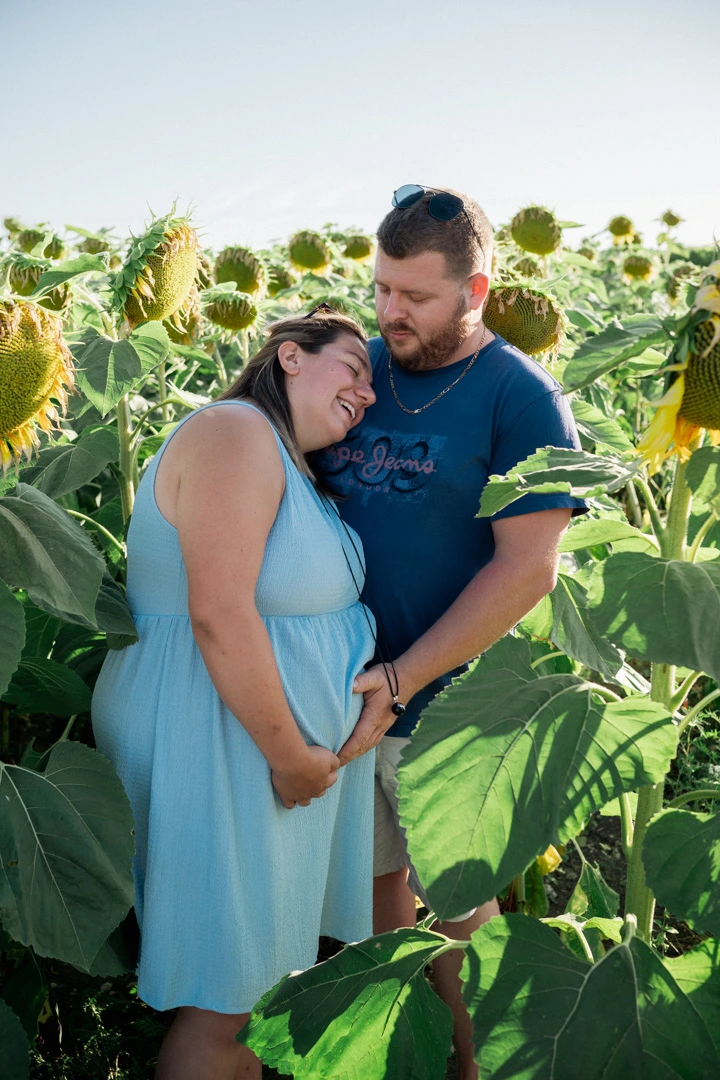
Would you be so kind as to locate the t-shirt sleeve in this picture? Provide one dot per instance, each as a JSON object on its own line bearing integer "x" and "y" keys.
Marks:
{"x": 545, "y": 421}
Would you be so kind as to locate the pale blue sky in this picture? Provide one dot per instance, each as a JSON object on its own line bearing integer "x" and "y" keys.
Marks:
{"x": 274, "y": 116}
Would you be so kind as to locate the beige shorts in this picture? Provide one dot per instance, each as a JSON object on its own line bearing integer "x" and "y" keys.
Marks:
{"x": 390, "y": 844}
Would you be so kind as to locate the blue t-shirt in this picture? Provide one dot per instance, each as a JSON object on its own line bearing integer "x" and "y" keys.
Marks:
{"x": 413, "y": 483}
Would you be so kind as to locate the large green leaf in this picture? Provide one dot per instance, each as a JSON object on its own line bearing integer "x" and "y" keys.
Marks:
{"x": 45, "y": 552}
{"x": 664, "y": 610}
{"x": 65, "y": 849}
{"x": 508, "y": 761}
{"x": 69, "y": 268}
{"x": 697, "y": 973}
{"x": 611, "y": 347}
{"x": 112, "y": 615}
{"x": 703, "y": 475}
{"x": 599, "y": 427}
{"x": 12, "y": 635}
{"x": 25, "y": 990}
{"x": 108, "y": 369}
{"x": 540, "y": 1013}
{"x": 681, "y": 855}
{"x": 65, "y": 468}
{"x": 592, "y": 897}
{"x": 367, "y": 1012}
{"x": 573, "y": 631}
{"x": 43, "y": 686}
{"x": 591, "y": 531}
{"x": 14, "y": 1049}
{"x": 556, "y": 470}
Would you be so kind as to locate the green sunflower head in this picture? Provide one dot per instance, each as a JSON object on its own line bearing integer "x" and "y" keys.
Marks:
{"x": 526, "y": 317}
{"x": 35, "y": 367}
{"x": 159, "y": 272}
{"x": 24, "y": 273}
{"x": 535, "y": 229}
{"x": 621, "y": 229}
{"x": 232, "y": 311}
{"x": 308, "y": 251}
{"x": 240, "y": 265}
{"x": 279, "y": 278}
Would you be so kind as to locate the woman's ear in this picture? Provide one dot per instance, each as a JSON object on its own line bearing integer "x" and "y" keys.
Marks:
{"x": 289, "y": 357}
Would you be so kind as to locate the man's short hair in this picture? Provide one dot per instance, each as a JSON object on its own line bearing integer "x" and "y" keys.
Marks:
{"x": 405, "y": 233}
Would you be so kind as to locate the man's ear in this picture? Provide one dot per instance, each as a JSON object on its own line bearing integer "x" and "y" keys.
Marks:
{"x": 289, "y": 357}
{"x": 479, "y": 285}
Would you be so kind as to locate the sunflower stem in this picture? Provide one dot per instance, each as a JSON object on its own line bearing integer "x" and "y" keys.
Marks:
{"x": 693, "y": 796}
{"x": 701, "y": 534}
{"x": 652, "y": 507}
{"x": 519, "y": 890}
{"x": 100, "y": 528}
{"x": 627, "y": 824}
{"x": 222, "y": 373}
{"x": 697, "y": 709}
{"x": 162, "y": 387}
{"x": 126, "y": 459}
{"x": 633, "y": 505}
{"x": 683, "y": 690}
{"x": 640, "y": 900}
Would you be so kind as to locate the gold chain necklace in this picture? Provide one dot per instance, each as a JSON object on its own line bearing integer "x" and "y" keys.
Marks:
{"x": 463, "y": 373}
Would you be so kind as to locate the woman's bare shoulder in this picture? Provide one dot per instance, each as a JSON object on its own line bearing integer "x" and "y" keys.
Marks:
{"x": 225, "y": 447}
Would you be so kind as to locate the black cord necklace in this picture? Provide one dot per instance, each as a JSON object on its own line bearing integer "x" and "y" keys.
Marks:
{"x": 397, "y": 707}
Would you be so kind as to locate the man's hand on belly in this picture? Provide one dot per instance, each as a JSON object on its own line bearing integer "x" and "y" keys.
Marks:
{"x": 377, "y": 716}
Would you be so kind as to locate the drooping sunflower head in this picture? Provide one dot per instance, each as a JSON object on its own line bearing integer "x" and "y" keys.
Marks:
{"x": 308, "y": 251}
{"x": 232, "y": 311}
{"x": 588, "y": 253}
{"x": 671, "y": 219}
{"x": 621, "y": 229}
{"x": 240, "y": 265}
{"x": 94, "y": 245}
{"x": 24, "y": 273}
{"x": 185, "y": 325}
{"x": 35, "y": 367}
{"x": 526, "y": 317}
{"x": 279, "y": 278}
{"x": 536, "y": 229}
{"x": 693, "y": 401}
{"x": 528, "y": 267}
{"x": 638, "y": 268}
{"x": 160, "y": 269}
{"x": 358, "y": 247}
{"x": 206, "y": 270}
{"x": 680, "y": 272}
{"x": 27, "y": 239}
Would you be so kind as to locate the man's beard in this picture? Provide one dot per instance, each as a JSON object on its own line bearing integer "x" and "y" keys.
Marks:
{"x": 436, "y": 349}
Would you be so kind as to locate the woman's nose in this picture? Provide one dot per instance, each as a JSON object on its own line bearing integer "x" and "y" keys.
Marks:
{"x": 366, "y": 394}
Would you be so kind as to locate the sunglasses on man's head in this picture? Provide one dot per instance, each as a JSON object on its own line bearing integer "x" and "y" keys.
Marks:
{"x": 325, "y": 308}
{"x": 442, "y": 205}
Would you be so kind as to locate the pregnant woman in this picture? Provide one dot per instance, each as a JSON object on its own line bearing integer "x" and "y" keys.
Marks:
{"x": 225, "y": 718}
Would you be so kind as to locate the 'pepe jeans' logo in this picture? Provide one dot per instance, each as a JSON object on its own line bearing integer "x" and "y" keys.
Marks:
{"x": 376, "y": 460}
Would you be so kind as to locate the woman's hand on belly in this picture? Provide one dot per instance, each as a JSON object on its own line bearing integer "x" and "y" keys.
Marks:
{"x": 306, "y": 779}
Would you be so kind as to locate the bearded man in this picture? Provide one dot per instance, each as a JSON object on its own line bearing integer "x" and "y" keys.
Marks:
{"x": 455, "y": 404}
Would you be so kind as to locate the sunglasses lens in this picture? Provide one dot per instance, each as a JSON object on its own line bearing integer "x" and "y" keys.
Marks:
{"x": 445, "y": 207}
{"x": 407, "y": 195}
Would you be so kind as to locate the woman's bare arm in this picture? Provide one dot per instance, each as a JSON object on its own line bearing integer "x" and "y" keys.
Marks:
{"x": 229, "y": 481}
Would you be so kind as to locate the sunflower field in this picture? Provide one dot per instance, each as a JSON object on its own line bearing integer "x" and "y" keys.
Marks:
{"x": 597, "y": 717}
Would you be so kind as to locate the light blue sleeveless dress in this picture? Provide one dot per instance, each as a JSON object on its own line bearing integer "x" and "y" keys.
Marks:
{"x": 232, "y": 890}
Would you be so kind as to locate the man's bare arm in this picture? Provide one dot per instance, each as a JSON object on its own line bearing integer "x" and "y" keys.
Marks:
{"x": 522, "y": 571}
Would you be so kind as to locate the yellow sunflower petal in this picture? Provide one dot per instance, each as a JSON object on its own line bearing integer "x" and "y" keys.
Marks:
{"x": 549, "y": 860}
{"x": 655, "y": 445}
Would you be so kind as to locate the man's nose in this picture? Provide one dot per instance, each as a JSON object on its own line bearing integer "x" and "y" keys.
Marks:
{"x": 394, "y": 308}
